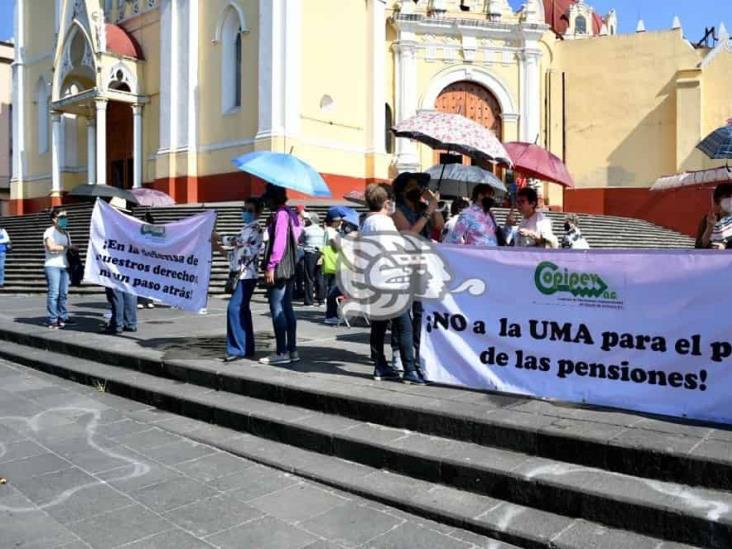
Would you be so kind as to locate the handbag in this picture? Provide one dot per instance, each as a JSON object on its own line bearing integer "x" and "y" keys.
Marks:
{"x": 232, "y": 281}
{"x": 285, "y": 269}
{"x": 76, "y": 267}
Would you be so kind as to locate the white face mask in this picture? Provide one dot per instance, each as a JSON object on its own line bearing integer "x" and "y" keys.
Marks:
{"x": 726, "y": 204}
{"x": 390, "y": 207}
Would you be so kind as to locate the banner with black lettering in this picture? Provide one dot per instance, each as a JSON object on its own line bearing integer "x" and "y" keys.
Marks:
{"x": 641, "y": 330}
{"x": 170, "y": 263}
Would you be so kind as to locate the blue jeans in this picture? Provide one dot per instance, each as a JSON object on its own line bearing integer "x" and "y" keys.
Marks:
{"x": 331, "y": 310}
{"x": 2, "y": 269}
{"x": 124, "y": 310}
{"x": 239, "y": 327}
{"x": 58, "y": 290}
{"x": 401, "y": 328}
{"x": 283, "y": 316}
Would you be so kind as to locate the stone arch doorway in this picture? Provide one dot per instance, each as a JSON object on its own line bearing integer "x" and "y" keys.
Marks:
{"x": 120, "y": 145}
{"x": 475, "y": 102}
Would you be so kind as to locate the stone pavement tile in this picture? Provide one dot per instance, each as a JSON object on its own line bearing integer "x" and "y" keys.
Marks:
{"x": 674, "y": 428}
{"x": 94, "y": 461}
{"x": 178, "y": 452}
{"x": 170, "y": 494}
{"x": 213, "y": 466}
{"x": 414, "y": 537}
{"x": 209, "y": 516}
{"x": 265, "y": 533}
{"x": 351, "y": 525}
{"x": 123, "y": 428}
{"x": 125, "y": 479}
{"x": 259, "y": 481}
{"x": 8, "y": 434}
{"x": 87, "y": 502}
{"x": 587, "y": 430}
{"x": 583, "y": 534}
{"x": 298, "y": 503}
{"x": 375, "y": 433}
{"x": 147, "y": 440}
{"x": 172, "y": 539}
{"x": 322, "y": 544}
{"x": 456, "y": 501}
{"x": 18, "y": 450}
{"x": 329, "y": 422}
{"x": 721, "y": 434}
{"x": 73, "y": 545}
{"x": 538, "y": 525}
{"x": 717, "y": 450}
{"x": 18, "y": 407}
{"x": 119, "y": 526}
{"x": 481, "y": 542}
{"x": 32, "y": 530}
{"x": 655, "y": 441}
{"x": 26, "y": 468}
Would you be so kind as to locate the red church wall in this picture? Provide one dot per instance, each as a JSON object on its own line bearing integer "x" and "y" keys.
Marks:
{"x": 678, "y": 209}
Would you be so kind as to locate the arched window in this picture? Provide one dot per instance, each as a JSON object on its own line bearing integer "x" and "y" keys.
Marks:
{"x": 42, "y": 116}
{"x": 231, "y": 61}
{"x": 580, "y": 25}
{"x": 388, "y": 134}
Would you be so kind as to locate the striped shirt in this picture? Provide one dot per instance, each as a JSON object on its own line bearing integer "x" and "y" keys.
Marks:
{"x": 722, "y": 233}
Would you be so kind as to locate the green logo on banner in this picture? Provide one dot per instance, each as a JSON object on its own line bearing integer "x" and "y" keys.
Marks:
{"x": 154, "y": 231}
{"x": 551, "y": 279}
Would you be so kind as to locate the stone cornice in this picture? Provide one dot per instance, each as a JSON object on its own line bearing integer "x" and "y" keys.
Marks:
{"x": 480, "y": 28}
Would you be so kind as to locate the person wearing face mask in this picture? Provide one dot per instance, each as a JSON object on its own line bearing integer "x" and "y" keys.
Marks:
{"x": 721, "y": 238}
{"x": 476, "y": 225}
{"x": 243, "y": 251}
{"x": 57, "y": 241}
{"x": 535, "y": 229}
{"x": 706, "y": 224}
{"x": 572, "y": 235}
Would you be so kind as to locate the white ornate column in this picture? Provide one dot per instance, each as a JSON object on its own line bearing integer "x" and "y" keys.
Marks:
{"x": 376, "y": 95}
{"x": 532, "y": 108}
{"x": 137, "y": 146}
{"x": 101, "y": 141}
{"x": 406, "y": 92}
{"x": 56, "y": 148}
{"x": 19, "y": 100}
{"x": 91, "y": 150}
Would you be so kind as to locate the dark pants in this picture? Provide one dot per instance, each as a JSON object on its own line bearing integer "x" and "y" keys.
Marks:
{"x": 124, "y": 310}
{"x": 299, "y": 277}
{"x": 239, "y": 327}
{"x": 401, "y": 328}
{"x": 417, "y": 310}
{"x": 313, "y": 278}
{"x": 331, "y": 308}
{"x": 283, "y": 316}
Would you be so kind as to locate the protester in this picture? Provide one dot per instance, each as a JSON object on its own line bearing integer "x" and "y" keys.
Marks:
{"x": 457, "y": 206}
{"x": 535, "y": 229}
{"x": 573, "y": 235}
{"x": 721, "y": 238}
{"x": 706, "y": 224}
{"x": 476, "y": 225}
{"x": 143, "y": 302}
{"x": 245, "y": 250}
{"x": 330, "y": 260}
{"x": 123, "y": 305}
{"x": 279, "y": 264}
{"x": 380, "y": 202}
{"x": 417, "y": 213}
{"x": 312, "y": 239}
{"x": 5, "y": 246}
{"x": 299, "y": 291}
{"x": 57, "y": 241}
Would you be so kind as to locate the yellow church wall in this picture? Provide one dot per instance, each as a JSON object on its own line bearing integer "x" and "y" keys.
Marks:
{"x": 716, "y": 98}
{"x": 621, "y": 106}
{"x": 41, "y": 25}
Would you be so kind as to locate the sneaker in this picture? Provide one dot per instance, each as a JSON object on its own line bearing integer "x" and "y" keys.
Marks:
{"x": 385, "y": 373}
{"x": 108, "y": 314}
{"x": 151, "y": 305}
{"x": 333, "y": 321}
{"x": 203, "y": 311}
{"x": 294, "y": 356}
{"x": 413, "y": 378}
{"x": 233, "y": 358}
{"x": 140, "y": 306}
{"x": 284, "y": 358}
{"x": 53, "y": 326}
{"x": 68, "y": 322}
{"x": 130, "y": 328}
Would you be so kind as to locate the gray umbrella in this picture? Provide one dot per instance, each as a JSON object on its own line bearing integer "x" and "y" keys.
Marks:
{"x": 459, "y": 180}
{"x": 92, "y": 192}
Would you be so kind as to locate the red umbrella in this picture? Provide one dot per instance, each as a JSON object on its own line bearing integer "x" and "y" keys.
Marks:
{"x": 534, "y": 161}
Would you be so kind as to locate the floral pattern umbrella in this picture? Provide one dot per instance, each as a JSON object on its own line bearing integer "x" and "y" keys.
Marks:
{"x": 152, "y": 197}
{"x": 454, "y": 133}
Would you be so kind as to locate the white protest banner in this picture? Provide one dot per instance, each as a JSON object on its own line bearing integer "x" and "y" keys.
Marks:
{"x": 641, "y": 330}
{"x": 170, "y": 263}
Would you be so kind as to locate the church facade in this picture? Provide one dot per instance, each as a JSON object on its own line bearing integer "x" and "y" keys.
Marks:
{"x": 164, "y": 93}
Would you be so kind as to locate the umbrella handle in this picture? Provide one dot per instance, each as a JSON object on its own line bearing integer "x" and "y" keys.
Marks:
{"x": 439, "y": 182}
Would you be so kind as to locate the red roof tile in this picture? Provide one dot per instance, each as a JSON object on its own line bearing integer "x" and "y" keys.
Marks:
{"x": 120, "y": 42}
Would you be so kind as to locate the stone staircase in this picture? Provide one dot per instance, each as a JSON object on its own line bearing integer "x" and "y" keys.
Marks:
{"x": 24, "y": 265}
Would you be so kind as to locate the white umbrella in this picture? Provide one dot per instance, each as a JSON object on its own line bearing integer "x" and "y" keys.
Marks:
{"x": 459, "y": 180}
{"x": 689, "y": 179}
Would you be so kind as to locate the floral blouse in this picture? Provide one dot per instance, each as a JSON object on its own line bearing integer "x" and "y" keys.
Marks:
{"x": 245, "y": 253}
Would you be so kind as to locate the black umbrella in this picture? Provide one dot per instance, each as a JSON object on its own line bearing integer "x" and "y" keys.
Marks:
{"x": 92, "y": 192}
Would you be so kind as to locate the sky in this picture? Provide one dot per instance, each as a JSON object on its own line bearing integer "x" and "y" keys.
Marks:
{"x": 657, "y": 14}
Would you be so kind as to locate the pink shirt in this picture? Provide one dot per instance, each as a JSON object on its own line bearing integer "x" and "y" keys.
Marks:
{"x": 278, "y": 232}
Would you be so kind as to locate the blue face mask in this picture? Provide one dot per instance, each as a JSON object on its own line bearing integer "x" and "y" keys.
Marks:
{"x": 247, "y": 217}
{"x": 63, "y": 223}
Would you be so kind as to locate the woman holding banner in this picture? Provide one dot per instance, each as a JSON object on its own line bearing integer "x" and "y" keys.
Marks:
{"x": 284, "y": 231}
{"x": 245, "y": 251}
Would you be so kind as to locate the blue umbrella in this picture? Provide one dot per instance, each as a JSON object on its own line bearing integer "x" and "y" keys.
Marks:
{"x": 283, "y": 170}
{"x": 718, "y": 144}
{"x": 349, "y": 215}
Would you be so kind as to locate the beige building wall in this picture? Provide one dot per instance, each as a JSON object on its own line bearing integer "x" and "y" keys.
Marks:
{"x": 7, "y": 54}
